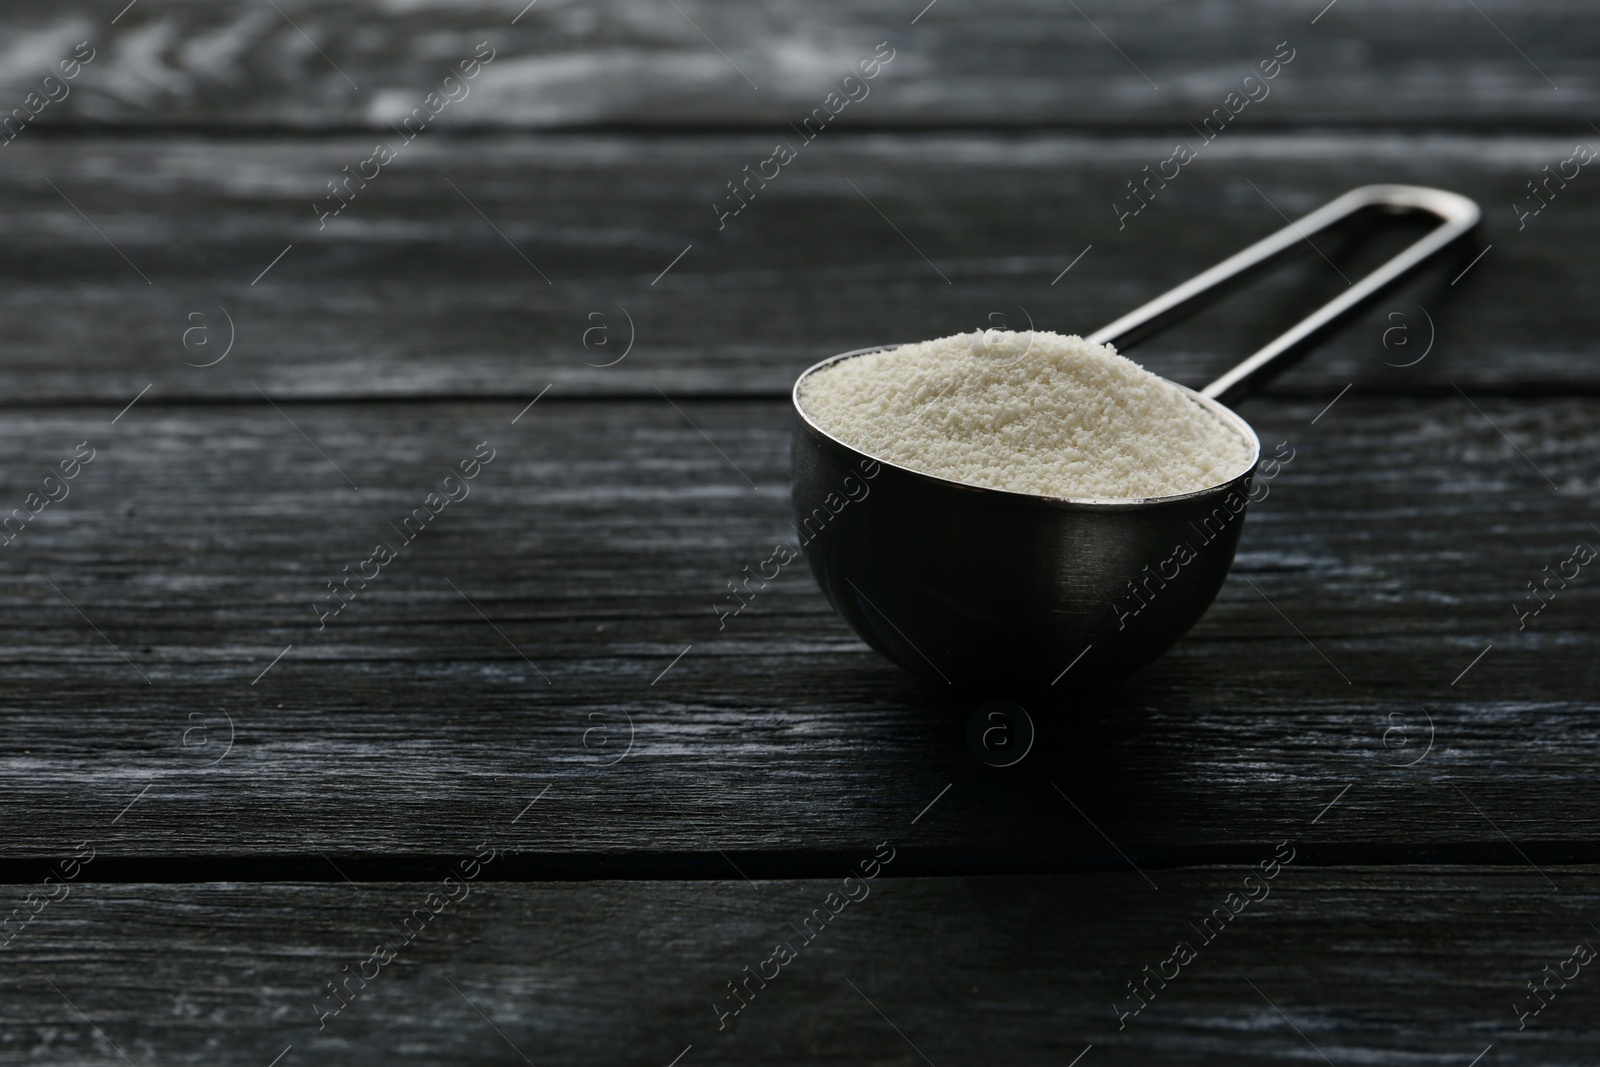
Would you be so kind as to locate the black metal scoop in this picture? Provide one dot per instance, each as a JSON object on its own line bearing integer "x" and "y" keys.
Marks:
{"x": 1009, "y": 593}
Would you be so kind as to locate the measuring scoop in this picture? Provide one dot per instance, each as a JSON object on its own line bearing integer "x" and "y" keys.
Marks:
{"x": 1000, "y": 592}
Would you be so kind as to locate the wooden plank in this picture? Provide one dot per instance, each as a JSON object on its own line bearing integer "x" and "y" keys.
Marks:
{"x": 593, "y": 551}
{"x": 1017, "y": 63}
{"x": 1360, "y": 965}
{"x": 412, "y": 293}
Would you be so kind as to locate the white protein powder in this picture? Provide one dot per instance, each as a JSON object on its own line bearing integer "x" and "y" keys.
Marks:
{"x": 1030, "y": 412}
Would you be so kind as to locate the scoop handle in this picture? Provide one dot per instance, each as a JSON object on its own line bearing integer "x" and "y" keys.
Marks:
{"x": 1457, "y": 215}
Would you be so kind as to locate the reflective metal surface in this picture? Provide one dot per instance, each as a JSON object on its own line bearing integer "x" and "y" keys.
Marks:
{"x": 1009, "y": 594}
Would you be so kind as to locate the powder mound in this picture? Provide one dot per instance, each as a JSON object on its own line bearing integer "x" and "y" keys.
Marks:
{"x": 1030, "y": 412}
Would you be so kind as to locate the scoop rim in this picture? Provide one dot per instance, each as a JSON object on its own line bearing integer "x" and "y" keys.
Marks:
{"x": 1216, "y": 407}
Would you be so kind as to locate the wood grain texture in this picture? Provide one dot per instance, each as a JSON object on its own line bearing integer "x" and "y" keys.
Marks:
{"x": 1418, "y": 964}
{"x": 411, "y": 292}
{"x": 542, "y": 667}
{"x": 594, "y": 550}
{"x": 1018, "y": 63}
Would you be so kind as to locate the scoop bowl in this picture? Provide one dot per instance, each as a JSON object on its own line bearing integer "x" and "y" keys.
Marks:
{"x": 1008, "y": 593}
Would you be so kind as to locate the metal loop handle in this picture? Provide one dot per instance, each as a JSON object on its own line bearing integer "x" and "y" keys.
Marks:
{"x": 1459, "y": 214}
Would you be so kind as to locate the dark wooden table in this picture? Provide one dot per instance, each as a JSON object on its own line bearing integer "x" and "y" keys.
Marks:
{"x": 524, "y": 758}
